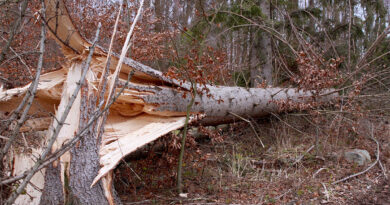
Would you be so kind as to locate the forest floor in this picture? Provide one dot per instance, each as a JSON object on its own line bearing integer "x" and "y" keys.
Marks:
{"x": 232, "y": 167}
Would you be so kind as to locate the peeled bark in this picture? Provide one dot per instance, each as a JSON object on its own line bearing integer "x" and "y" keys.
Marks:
{"x": 150, "y": 106}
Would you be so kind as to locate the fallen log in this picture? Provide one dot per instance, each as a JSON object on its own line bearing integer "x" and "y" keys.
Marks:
{"x": 150, "y": 106}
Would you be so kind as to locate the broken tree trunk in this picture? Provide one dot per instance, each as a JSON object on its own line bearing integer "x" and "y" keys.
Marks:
{"x": 150, "y": 106}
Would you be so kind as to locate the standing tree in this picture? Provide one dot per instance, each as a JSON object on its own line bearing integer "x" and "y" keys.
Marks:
{"x": 261, "y": 59}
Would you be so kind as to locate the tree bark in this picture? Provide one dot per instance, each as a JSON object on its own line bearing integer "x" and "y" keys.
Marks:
{"x": 53, "y": 193}
{"x": 84, "y": 163}
{"x": 261, "y": 62}
{"x": 219, "y": 102}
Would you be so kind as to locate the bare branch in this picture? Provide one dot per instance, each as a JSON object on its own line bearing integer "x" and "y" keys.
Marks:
{"x": 125, "y": 48}
{"x": 361, "y": 64}
{"x": 102, "y": 87}
{"x": 253, "y": 128}
{"x": 29, "y": 98}
{"x": 368, "y": 168}
{"x": 19, "y": 55}
{"x": 59, "y": 126}
{"x": 13, "y": 31}
{"x": 20, "y": 58}
{"x": 2, "y": 2}
{"x": 66, "y": 147}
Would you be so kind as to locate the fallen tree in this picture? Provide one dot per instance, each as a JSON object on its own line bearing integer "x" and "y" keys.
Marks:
{"x": 86, "y": 143}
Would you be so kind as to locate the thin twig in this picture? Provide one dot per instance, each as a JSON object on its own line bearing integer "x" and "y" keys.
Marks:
{"x": 288, "y": 124}
{"x": 102, "y": 87}
{"x": 32, "y": 91}
{"x": 267, "y": 29}
{"x": 4, "y": 138}
{"x": 250, "y": 123}
{"x": 368, "y": 168}
{"x": 13, "y": 31}
{"x": 29, "y": 98}
{"x": 282, "y": 195}
{"x": 125, "y": 48}
{"x": 15, "y": 114}
{"x": 18, "y": 55}
{"x": 103, "y": 78}
{"x": 325, "y": 32}
{"x": 318, "y": 171}
{"x": 326, "y": 192}
{"x": 383, "y": 169}
{"x": 360, "y": 64}
{"x": 66, "y": 147}
{"x": 183, "y": 141}
{"x": 4, "y": 79}
{"x": 20, "y": 58}
{"x": 303, "y": 155}
{"x": 138, "y": 202}
{"x": 59, "y": 126}
{"x": 373, "y": 47}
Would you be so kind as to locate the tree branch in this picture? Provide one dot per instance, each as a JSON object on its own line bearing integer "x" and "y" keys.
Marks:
{"x": 29, "y": 98}
{"x": 59, "y": 126}
{"x": 66, "y": 147}
{"x": 368, "y": 168}
{"x": 13, "y": 31}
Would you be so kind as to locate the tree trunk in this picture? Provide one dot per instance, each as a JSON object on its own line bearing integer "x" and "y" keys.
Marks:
{"x": 219, "y": 102}
{"x": 266, "y": 47}
{"x": 53, "y": 191}
{"x": 261, "y": 62}
{"x": 84, "y": 163}
{"x": 150, "y": 106}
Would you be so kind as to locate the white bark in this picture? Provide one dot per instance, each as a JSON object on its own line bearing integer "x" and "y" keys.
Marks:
{"x": 254, "y": 102}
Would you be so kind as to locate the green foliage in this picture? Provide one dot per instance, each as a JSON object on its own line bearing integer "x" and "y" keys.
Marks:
{"x": 300, "y": 192}
{"x": 322, "y": 21}
{"x": 306, "y": 13}
{"x": 242, "y": 78}
{"x": 238, "y": 13}
{"x": 356, "y": 31}
{"x": 376, "y": 6}
{"x": 196, "y": 32}
{"x": 230, "y": 16}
